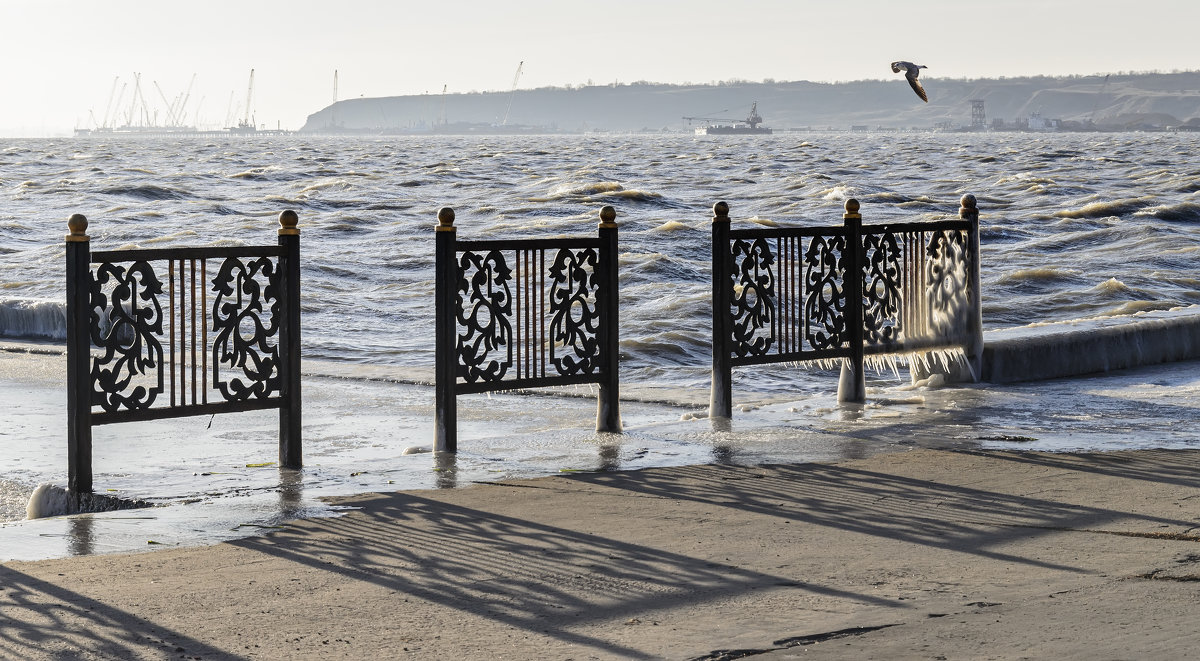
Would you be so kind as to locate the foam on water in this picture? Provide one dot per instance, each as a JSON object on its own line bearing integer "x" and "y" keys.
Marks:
{"x": 14, "y": 500}
{"x": 52, "y": 500}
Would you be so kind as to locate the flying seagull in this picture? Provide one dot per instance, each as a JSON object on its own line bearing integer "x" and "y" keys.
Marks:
{"x": 910, "y": 72}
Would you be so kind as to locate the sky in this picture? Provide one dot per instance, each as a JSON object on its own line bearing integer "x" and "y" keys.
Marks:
{"x": 59, "y": 58}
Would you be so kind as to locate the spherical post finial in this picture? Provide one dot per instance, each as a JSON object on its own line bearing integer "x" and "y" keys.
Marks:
{"x": 608, "y": 217}
{"x": 288, "y": 222}
{"x": 78, "y": 224}
{"x": 445, "y": 219}
{"x": 967, "y": 208}
{"x": 852, "y": 206}
{"x": 721, "y": 211}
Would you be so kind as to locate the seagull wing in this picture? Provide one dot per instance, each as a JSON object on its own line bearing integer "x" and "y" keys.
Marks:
{"x": 916, "y": 85}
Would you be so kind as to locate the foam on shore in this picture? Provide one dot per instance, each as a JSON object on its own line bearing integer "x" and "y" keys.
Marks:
{"x": 51, "y": 500}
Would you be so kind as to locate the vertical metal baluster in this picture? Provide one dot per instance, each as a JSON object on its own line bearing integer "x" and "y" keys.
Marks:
{"x": 793, "y": 342}
{"x": 520, "y": 354}
{"x": 182, "y": 335}
{"x": 902, "y": 241}
{"x": 779, "y": 322}
{"x": 530, "y": 304}
{"x": 541, "y": 282}
{"x": 793, "y": 291}
{"x": 171, "y": 317}
{"x": 804, "y": 320}
{"x": 204, "y": 314}
{"x": 193, "y": 310}
{"x": 921, "y": 285}
{"x": 786, "y": 275}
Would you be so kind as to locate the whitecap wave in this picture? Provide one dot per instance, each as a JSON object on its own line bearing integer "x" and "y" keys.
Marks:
{"x": 30, "y": 318}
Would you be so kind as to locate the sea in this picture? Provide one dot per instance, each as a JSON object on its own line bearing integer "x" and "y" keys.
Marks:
{"x": 1073, "y": 226}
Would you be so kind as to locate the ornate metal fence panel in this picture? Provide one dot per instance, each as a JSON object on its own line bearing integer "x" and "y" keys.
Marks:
{"x": 525, "y": 313}
{"x": 788, "y": 296}
{"x": 807, "y": 293}
{"x": 173, "y": 332}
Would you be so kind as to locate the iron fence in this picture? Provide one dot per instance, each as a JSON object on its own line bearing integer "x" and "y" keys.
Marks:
{"x": 787, "y": 294}
{"x": 525, "y": 313}
{"x": 174, "y": 332}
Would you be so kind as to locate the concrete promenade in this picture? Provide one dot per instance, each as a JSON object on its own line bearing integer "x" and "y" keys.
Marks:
{"x": 921, "y": 554}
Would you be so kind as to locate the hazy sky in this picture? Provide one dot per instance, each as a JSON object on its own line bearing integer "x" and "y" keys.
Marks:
{"x": 59, "y": 58}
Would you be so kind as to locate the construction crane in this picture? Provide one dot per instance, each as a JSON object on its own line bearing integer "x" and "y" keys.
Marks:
{"x": 133, "y": 105}
{"x": 512, "y": 93}
{"x": 111, "y": 94}
{"x": 182, "y": 110}
{"x": 172, "y": 121}
{"x": 442, "y": 117}
{"x": 1099, "y": 96}
{"x": 249, "y": 95}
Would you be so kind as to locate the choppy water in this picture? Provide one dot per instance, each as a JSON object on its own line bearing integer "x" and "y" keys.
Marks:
{"x": 1073, "y": 225}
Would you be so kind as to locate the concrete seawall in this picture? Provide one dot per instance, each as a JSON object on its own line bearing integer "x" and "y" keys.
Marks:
{"x": 1049, "y": 351}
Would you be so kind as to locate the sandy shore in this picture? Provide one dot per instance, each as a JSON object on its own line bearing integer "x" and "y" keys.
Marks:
{"x": 919, "y": 554}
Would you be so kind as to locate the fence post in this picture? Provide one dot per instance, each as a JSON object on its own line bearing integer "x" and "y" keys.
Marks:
{"x": 608, "y": 403}
{"x": 79, "y": 343}
{"x": 720, "y": 402}
{"x": 445, "y": 335}
{"x": 974, "y": 348}
{"x": 852, "y": 386}
{"x": 290, "y": 447}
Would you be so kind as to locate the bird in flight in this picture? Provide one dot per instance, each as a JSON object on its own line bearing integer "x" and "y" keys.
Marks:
{"x": 910, "y": 72}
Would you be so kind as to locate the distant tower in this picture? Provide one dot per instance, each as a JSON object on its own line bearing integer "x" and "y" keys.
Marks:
{"x": 978, "y": 117}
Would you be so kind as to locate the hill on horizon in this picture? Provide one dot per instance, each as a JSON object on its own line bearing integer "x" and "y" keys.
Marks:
{"x": 1109, "y": 102}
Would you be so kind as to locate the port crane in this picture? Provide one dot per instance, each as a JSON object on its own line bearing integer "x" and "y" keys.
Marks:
{"x": 512, "y": 93}
{"x": 442, "y": 117}
{"x": 245, "y": 123}
{"x": 753, "y": 120}
{"x": 1099, "y": 97}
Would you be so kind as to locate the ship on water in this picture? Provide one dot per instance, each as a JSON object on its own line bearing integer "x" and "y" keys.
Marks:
{"x": 747, "y": 126}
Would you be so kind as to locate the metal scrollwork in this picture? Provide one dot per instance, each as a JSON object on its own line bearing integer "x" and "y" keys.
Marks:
{"x": 753, "y": 302}
{"x": 245, "y": 316}
{"x": 881, "y": 289}
{"x": 946, "y": 281}
{"x": 484, "y": 316}
{"x": 574, "y": 314}
{"x": 126, "y": 324}
{"x": 825, "y": 304}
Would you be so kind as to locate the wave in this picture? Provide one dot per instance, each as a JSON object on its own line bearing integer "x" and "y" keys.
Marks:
{"x": 147, "y": 192}
{"x": 1134, "y": 307}
{"x": 671, "y": 226}
{"x": 1106, "y": 209}
{"x": 1111, "y": 286}
{"x": 567, "y": 191}
{"x": 1037, "y": 274}
{"x": 268, "y": 173}
{"x": 33, "y": 319}
{"x": 1187, "y": 212}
